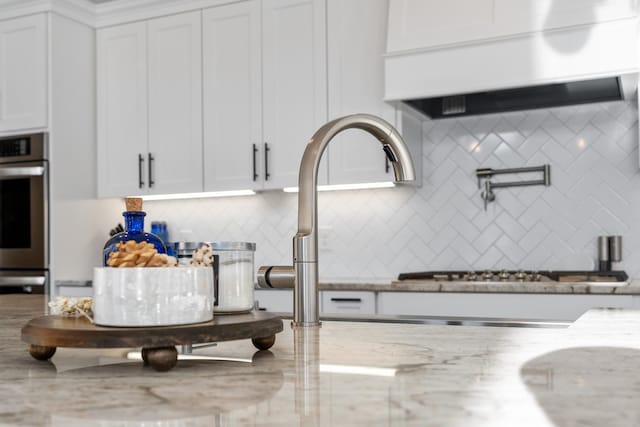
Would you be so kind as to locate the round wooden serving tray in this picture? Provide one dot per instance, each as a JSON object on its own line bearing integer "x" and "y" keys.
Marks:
{"x": 158, "y": 343}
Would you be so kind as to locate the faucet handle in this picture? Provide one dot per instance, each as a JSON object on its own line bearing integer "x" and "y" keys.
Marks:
{"x": 487, "y": 195}
{"x": 276, "y": 276}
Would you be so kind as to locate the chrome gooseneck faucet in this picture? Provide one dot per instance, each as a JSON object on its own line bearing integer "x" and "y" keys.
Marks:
{"x": 303, "y": 275}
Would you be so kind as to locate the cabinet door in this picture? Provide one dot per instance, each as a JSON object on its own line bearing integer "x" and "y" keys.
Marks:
{"x": 122, "y": 109}
{"x": 175, "y": 104}
{"x": 294, "y": 82}
{"x": 23, "y": 73}
{"x": 232, "y": 97}
{"x": 356, "y": 85}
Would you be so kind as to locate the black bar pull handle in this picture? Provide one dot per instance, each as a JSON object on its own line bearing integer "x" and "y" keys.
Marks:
{"x": 267, "y": 175}
{"x": 346, "y": 299}
{"x": 151, "y": 160}
{"x": 255, "y": 172}
{"x": 140, "y": 166}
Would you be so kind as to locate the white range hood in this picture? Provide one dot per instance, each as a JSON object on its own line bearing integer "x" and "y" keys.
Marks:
{"x": 510, "y": 54}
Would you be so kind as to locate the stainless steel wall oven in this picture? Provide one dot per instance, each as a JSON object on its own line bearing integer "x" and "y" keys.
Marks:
{"x": 24, "y": 212}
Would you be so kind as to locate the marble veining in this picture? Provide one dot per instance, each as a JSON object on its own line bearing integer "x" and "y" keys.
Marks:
{"x": 341, "y": 374}
{"x": 631, "y": 287}
{"x": 625, "y": 288}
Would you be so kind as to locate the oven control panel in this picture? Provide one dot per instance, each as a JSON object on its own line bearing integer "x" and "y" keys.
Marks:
{"x": 15, "y": 147}
{"x": 24, "y": 148}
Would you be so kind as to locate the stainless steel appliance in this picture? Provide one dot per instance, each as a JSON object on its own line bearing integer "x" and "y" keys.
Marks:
{"x": 519, "y": 276}
{"x": 609, "y": 251}
{"x": 24, "y": 212}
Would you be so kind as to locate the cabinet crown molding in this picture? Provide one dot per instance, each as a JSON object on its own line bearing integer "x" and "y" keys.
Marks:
{"x": 122, "y": 11}
{"x": 104, "y": 14}
{"x": 82, "y": 11}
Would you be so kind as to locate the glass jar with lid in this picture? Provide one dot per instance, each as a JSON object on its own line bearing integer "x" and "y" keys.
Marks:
{"x": 233, "y": 265}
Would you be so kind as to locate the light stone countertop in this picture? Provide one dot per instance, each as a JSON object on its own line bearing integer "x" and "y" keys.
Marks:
{"x": 378, "y": 285}
{"x": 343, "y": 374}
{"x": 630, "y": 288}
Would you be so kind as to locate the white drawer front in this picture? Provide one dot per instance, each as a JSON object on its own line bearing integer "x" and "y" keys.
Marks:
{"x": 348, "y": 302}
{"x": 275, "y": 300}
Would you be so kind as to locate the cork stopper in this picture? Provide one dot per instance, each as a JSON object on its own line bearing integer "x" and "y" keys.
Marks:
{"x": 134, "y": 204}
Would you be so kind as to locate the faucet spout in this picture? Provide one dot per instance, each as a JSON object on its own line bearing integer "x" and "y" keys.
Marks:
{"x": 392, "y": 144}
{"x": 305, "y": 242}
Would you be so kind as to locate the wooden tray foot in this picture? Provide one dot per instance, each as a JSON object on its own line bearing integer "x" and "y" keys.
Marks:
{"x": 264, "y": 343}
{"x": 161, "y": 359}
{"x": 41, "y": 352}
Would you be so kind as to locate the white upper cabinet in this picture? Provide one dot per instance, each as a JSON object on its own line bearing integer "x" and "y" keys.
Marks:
{"x": 174, "y": 158}
{"x": 356, "y": 85}
{"x": 23, "y": 73}
{"x": 149, "y": 107}
{"x": 122, "y": 110}
{"x": 264, "y": 91}
{"x": 240, "y": 88}
{"x": 232, "y": 97}
{"x": 294, "y": 80}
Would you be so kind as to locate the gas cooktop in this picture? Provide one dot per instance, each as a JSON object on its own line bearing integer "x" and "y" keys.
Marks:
{"x": 518, "y": 276}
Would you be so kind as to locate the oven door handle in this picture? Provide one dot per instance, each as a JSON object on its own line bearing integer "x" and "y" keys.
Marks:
{"x": 22, "y": 280}
{"x": 22, "y": 171}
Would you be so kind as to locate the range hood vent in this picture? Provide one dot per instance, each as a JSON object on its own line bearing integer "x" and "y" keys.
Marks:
{"x": 525, "y": 98}
{"x": 465, "y": 57}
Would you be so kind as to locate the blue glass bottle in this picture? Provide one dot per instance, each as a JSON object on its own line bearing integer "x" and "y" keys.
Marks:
{"x": 134, "y": 230}
{"x": 159, "y": 228}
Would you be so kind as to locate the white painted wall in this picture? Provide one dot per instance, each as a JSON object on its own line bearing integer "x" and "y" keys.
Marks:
{"x": 79, "y": 222}
{"x": 593, "y": 152}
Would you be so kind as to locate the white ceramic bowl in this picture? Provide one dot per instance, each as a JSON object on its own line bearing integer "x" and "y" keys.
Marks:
{"x": 152, "y": 296}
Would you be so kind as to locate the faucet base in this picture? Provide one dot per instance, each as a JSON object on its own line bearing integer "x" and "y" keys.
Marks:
{"x": 306, "y": 304}
{"x": 306, "y": 325}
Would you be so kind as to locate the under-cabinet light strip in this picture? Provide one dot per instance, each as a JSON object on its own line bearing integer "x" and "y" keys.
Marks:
{"x": 199, "y": 195}
{"x": 340, "y": 187}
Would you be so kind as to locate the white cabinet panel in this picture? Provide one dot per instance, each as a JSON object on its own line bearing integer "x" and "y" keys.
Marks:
{"x": 264, "y": 91}
{"x": 150, "y": 107}
{"x": 336, "y": 302}
{"x": 275, "y": 300}
{"x": 417, "y": 24}
{"x": 515, "y": 306}
{"x": 122, "y": 109}
{"x": 175, "y": 104}
{"x": 537, "y": 15}
{"x": 294, "y": 84}
{"x": 356, "y": 85}
{"x": 232, "y": 96}
{"x": 23, "y": 73}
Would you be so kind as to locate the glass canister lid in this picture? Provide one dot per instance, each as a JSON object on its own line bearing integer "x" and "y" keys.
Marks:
{"x": 185, "y": 248}
{"x": 233, "y": 246}
{"x": 188, "y": 247}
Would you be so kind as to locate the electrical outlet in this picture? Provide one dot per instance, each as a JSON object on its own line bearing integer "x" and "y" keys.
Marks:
{"x": 325, "y": 236}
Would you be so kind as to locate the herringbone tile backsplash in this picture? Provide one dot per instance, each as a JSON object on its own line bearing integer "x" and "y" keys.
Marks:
{"x": 595, "y": 189}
